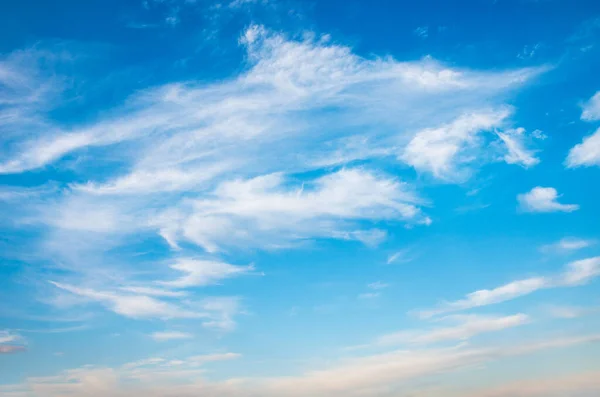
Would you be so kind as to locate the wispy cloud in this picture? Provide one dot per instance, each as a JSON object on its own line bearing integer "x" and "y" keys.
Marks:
{"x": 203, "y": 272}
{"x": 467, "y": 327}
{"x": 575, "y": 273}
{"x": 422, "y": 32}
{"x": 543, "y": 199}
{"x": 217, "y": 312}
{"x": 567, "y": 244}
{"x": 257, "y": 160}
{"x": 170, "y": 335}
{"x": 568, "y": 312}
{"x": 401, "y": 256}
{"x": 377, "y": 285}
{"x": 369, "y": 295}
{"x": 264, "y": 209}
{"x": 375, "y": 290}
{"x": 516, "y": 150}
{"x": 131, "y": 305}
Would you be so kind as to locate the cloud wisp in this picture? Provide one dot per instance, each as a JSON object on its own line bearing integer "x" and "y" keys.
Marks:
{"x": 566, "y": 245}
{"x": 575, "y": 273}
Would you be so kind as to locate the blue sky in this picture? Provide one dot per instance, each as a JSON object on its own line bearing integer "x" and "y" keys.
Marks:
{"x": 299, "y": 198}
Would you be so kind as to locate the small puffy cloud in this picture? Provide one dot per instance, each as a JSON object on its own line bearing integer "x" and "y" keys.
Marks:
{"x": 591, "y": 109}
{"x": 586, "y": 153}
{"x": 170, "y": 335}
{"x": 543, "y": 199}
{"x": 446, "y": 150}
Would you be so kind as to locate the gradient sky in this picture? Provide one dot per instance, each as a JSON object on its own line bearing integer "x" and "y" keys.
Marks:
{"x": 267, "y": 198}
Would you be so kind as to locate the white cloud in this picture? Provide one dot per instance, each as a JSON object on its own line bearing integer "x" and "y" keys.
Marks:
{"x": 150, "y": 181}
{"x": 517, "y": 152}
{"x": 369, "y": 295}
{"x": 401, "y": 256}
{"x": 151, "y": 291}
{"x": 222, "y": 165}
{"x": 170, "y": 335}
{"x": 543, "y": 199}
{"x": 216, "y": 312}
{"x": 591, "y": 109}
{"x": 567, "y": 244}
{"x": 222, "y": 312}
{"x": 376, "y": 288}
{"x": 130, "y": 305}
{"x": 266, "y": 210}
{"x": 7, "y": 336}
{"x": 576, "y": 273}
{"x": 486, "y": 297}
{"x": 377, "y": 285}
{"x": 586, "y": 153}
{"x": 287, "y": 79}
{"x": 203, "y": 272}
{"x": 581, "y": 271}
{"x": 466, "y": 328}
{"x": 443, "y": 150}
